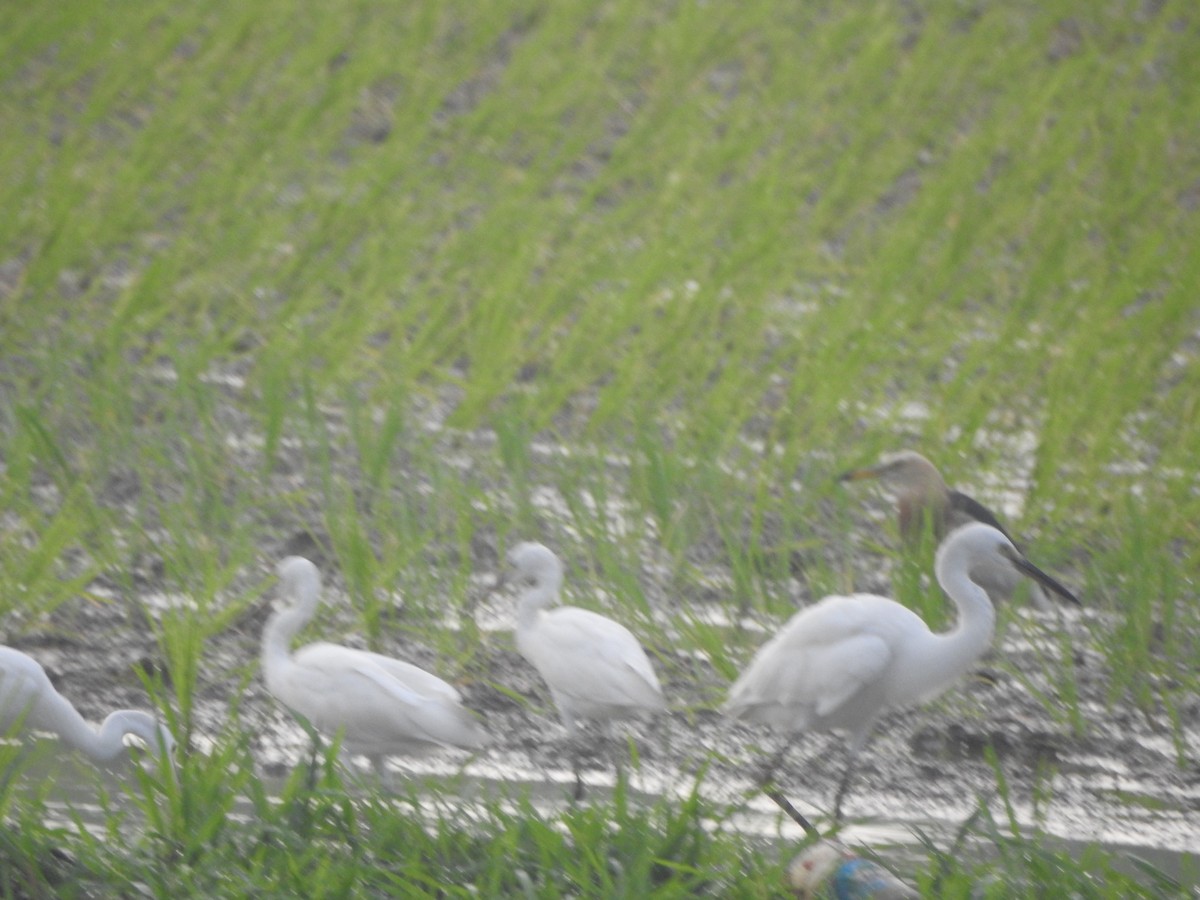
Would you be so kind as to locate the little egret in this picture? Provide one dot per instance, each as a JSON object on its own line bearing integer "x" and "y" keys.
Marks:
{"x": 28, "y": 698}
{"x": 595, "y": 668}
{"x": 380, "y": 705}
{"x": 843, "y": 662}
{"x": 923, "y": 497}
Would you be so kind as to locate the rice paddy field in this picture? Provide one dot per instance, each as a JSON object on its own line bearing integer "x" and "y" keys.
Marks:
{"x": 396, "y": 286}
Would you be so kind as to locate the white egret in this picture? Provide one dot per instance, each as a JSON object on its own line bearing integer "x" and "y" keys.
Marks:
{"x": 595, "y": 667}
{"x": 843, "y": 662}
{"x": 28, "y": 699}
{"x": 380, "y": 705}
{"x": 923, "y": 500}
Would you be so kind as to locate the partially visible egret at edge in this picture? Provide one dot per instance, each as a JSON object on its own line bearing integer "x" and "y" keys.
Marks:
{"x": 843, "y": 662}
{"x": 30, "y": 701}
{"x": 381, "y": 706}
{"x": 595, "y": 667}
{"x": 923, "y": 500}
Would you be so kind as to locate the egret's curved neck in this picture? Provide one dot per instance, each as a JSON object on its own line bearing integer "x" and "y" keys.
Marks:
{"x": 109, "y": 743}
{"x": 534, "y": 599}
{"x": 285, "y": 623}
{"x": 952, "y": 653}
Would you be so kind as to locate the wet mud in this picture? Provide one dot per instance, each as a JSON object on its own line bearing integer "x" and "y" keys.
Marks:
{"x": 1121, "y": 780}
{"x": 1121, "y": 783}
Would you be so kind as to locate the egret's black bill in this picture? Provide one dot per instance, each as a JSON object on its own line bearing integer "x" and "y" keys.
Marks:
{"x": 1025, "y": 567}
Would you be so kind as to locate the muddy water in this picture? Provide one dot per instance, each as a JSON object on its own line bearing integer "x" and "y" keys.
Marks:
{"x": 1119, "y": 784}
{"x": 1170, "y": 846}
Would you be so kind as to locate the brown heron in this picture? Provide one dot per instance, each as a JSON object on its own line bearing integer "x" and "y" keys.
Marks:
{"x": 923, "y": 500}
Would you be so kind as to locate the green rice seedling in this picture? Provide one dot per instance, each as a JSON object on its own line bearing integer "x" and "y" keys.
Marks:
{"x": 915, "y": 583}
{"x": 182, "y": 639}
{"x": 657, "y": 232}
{"x": 34, "y": 582}
{"x": 274, "y": 384}
{"x": 609, "y": 545}
{"x": 1151, "y": 633}
{"x": 187, "y": 810}
{"x": 43, "y": 445}
{"x": 741, "y": 567}
{"x": 704, "y": 659}
{"x": 375, "y": 440}
{"x": 358, "y": 562}
{"x": 1012, "y": 859}
{"x": 32, "y": 859}
{"x": 430, "y": 841}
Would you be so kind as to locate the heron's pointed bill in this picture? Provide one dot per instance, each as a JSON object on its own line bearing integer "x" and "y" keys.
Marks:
{"x": 859, "y": 474}
{"x": 1025, "y": 567}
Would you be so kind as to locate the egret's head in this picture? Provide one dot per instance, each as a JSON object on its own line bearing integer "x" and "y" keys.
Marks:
{"x": 535, "y": 563}
{"x": 980, "y": 546}
{"x": 298, "y": 578}
{"x": 142, "y": 738}
{"x": 978, "y": 541}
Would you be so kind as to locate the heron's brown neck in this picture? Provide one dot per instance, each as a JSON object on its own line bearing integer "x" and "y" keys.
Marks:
{"x": 916, "y": 507}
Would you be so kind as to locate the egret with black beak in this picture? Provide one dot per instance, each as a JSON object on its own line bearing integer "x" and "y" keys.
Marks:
{"x": 845, "y": 661}
{"x": 923, "y": 500}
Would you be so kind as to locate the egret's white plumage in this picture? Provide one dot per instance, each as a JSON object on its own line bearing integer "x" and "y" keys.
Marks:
{"x": 595, "y": 667}
{"x": 843, "y": 662}
{"x": 381, "y": 706}
{"x": 28, "y": 699}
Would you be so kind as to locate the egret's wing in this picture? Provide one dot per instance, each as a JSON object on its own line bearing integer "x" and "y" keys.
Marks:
{"x": 581, "y": 653}
{"x": 438, "y": 719}
{"x": 821, "y": 659}
{"x": 342, "y": 688}
{"x": 414, "y": 677}
{"x": 841, "y": 670}
{"x": 813, "y": 683}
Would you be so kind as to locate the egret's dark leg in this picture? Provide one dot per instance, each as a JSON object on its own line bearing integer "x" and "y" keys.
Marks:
{"x": 792, "y": 813}
{"x": 766, "y": 775}
{"x": 857, "y": 741}
{"x": 843, "y": 785}
{"x": 577, "y": 794}
{"x": 575, "y": 742}
{"x": 766, "y": 784}
{"x": 379, "y": 764}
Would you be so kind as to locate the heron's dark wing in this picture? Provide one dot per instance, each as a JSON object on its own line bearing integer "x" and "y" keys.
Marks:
{"x": 971, "y": 508}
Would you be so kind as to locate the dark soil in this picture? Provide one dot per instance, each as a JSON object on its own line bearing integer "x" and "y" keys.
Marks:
{"x": 1121, "y": 781}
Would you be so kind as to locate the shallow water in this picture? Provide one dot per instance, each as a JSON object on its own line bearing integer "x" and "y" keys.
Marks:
{"x": 1170, "y": 848}
{"x": 1120, "y": 784}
